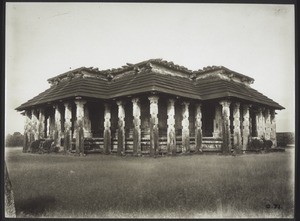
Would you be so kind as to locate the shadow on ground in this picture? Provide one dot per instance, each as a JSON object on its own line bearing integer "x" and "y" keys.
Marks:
{"x": 35, "y": 206}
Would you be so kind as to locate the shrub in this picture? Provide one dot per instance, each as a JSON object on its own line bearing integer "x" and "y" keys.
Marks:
{"x": 256, "y": 145}
{"x": 35, "y": 146}
{"x": 267, "y": 144}
{"x": 47, "y": 145}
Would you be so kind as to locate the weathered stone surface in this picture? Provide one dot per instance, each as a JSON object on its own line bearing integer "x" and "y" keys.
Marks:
{"x": 136, "y": 110}
{"x": 226, "y": 147}
{"x": 107, "y": 131}
{"x": 154, "y": 136}
{"x": 10, "y": 210}
{"x": 246, "y": 126}
{"x": 121, "y": 128}
{"x": 198, "y": 128}
{"x": 171, "y": 137}
{"x": 185, "y": 128}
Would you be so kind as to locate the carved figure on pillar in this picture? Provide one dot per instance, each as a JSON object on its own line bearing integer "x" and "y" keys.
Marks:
{"x": 198, "y": 129}
{"x": 171, "y": 136}
{"x": 236, "y": 127}
{"x": 226, "y": 146}
{"x": 107, "y": 131}
{"x": 121, "y": 128}
{"x": 185, "y": 128}
{"x": 136, "y": 110}
{"x": 154, "y": 137}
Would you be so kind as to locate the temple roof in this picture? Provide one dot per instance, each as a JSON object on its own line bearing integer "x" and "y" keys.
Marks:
{"x": 154, "y": 75}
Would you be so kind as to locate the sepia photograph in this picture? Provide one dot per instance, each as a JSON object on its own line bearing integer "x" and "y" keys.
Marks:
{"x": 149, "y": 110}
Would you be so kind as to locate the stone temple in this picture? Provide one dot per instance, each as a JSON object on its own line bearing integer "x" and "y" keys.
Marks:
{"x": 152, "y": 107}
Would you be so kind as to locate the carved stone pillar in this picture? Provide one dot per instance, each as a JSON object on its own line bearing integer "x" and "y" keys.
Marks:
{"x": 267, "y": 124}
{"x": 198, "y": 129}
{"x": 41, "y": 128}
{"x": 218, "y": 122}
{"x": 237, "y": 139}
{"x": 27, "y": 131}
{"x": 171, "y": 136}
{"x": 35, "y": 122}
{"x": 121, "y": 128}
{"x": 57, "y": 128}
{"x": 273, "y": 128}
{"x": 136, "y": 111}
{"x": 226, "y": 146}
{"x": 52, "y": 125}
{"x": 68, "y": 127}
{"x": 246, "y": 126}
{"x": 79, "y": 132}
{"x": 185, "y": 128}
{"x": 260, "y": 132}
{"x": 86, "y": 123}
{"x": 154, "y": 136}
{"x": 107, "y": 131}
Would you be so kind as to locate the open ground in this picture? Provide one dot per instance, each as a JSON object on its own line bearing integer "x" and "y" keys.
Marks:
{"x": 195, "y": 186}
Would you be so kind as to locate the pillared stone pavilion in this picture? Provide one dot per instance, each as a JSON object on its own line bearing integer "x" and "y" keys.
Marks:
{"x": 153, "y": 107}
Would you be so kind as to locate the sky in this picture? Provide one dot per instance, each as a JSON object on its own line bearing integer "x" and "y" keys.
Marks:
{"x": 47, "y": 39}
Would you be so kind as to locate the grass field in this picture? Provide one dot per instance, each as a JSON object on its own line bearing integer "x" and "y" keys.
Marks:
{"x": 184, "y": 186}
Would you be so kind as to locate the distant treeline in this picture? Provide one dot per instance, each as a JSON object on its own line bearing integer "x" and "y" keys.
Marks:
{"x": 285, "y": 138}
{"x": 15, "y": 140}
